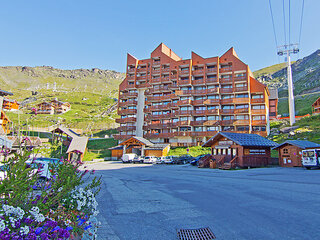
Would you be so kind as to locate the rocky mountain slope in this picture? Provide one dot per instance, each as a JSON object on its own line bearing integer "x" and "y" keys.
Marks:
{"x": 305, "y": 73}
{"x": 49, "y": 78}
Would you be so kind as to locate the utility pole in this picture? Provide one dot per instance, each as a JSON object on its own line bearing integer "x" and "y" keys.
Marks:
{"x": 287, "y": 50}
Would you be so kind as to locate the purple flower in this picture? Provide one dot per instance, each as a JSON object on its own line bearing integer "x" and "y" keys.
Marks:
{"x": 69, "y": 228}
{"x": 38, "y": 230}
{"x": 56, "y": 228}
{"x": 87, "y": 227}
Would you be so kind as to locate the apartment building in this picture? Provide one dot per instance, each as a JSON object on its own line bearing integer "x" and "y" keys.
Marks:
{"x": 185, "y": 102}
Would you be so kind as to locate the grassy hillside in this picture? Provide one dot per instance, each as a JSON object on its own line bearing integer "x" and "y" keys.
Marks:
{"x": 269, "y": 70}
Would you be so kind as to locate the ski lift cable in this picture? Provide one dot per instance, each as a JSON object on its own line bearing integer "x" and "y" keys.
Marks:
{"x": 274, "y": 29}
{"x": 284, "y": 22}
{"x": 302, "y": 10}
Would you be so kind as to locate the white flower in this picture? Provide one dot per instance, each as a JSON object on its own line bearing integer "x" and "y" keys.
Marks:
{"x": 2, "y": 225}
{"x": 24, "y": 230}
{"x": 60, "y": 189}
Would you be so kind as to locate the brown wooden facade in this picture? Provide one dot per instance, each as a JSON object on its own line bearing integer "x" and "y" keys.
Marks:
{"x": 290, "y": 152}
{"x": 228, "y": 150}
{"x": 316, "y": 106}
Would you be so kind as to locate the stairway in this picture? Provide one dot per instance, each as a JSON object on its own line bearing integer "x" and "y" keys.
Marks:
{"x": 226, "y": 166}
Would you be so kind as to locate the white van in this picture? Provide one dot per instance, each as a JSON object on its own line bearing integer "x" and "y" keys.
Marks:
{"x": 128, "y": 158}
{"x": 311, "y": 158}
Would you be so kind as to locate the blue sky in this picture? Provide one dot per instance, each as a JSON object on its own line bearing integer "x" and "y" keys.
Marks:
{"x": 72, "y": 34}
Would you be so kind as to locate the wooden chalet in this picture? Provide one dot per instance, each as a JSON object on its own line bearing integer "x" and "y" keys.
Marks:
{"x": 4, "y": 122}
{"x": 141, "y": 147}
{"x": 290, "y": 152}
{"x": 232, "y": 150}
{"x": 316, "y": 106}
{"x": 60, "y": 107}
{"x": 10, "y": 104}
{"x": 45, "y": 108}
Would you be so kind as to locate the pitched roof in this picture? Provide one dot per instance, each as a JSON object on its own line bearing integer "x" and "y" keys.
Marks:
{"x": 243, "y": 139}
{"x": 140, "y": 139}
{"x": 5, "y": 93}
{"x": 65, "y": 130}
{"x": 78, "y": 144}
{"x": 299, "y": 143}
{"x": 157, "y": 146}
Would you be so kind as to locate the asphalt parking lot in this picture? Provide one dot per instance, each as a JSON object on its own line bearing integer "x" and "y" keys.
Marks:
{"x": 140, "y": 201}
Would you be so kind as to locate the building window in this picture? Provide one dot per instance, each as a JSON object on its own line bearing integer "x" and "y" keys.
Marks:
{"x": 257, "y": 151}
{"x": 285, "y": 151}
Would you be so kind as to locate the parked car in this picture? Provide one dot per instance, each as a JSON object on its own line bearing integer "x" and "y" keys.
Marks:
{"x": 168, "y": 160}
{"x": 138, "y": 159}
{"x": 184, "y": 159}
{"x": 311, "y": 158}
{"x": 128, "y": 158}
{"x": 150, "y": 159}
{"x": 195, "y": 161}
{"x": 160, "y": 160}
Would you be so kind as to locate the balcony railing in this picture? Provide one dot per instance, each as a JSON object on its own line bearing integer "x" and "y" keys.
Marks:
{"x": 184, "y": 82}
{"x": 183, "y": 72}
{"x": 241, "y": 110}
{"x": 212, "y": 90}
{"x": 211, "y": 70}
{"x": 211, "y": 123}
{"x": 198, "y": 82}
{"x": 127, "y": 128}
{"x": 240, "y": 100}
{"x": 165, "y": 70}
{"x": 157, "y": 126}
{"x": 198, "y": 102}
{"x": 155, "y": 71}
{"x": 211, "y": 80}
{"x": 225, "y": 80}
{"x": 198, "y": 72}
{"x": 241, "y": 89}
{"x": 179, "y": 144}
{"x": 160, "y": 98}
{"x": 183, "y": 92}
{"x": 211, "y": 101}
{"x": 258, "y": 122}
{"x": 160, "y": 107}
{"x": 128, "y": 94}
{"x": 184, "y": 102}
{"x": 258, "y": 100}
{"x": 212, "y": 111}
{"x": 183, "y": 123}
{"x": 242, "y": 122}
{"x": 258, "y": 111}
{"x": 226, "y": 101}
{"x": 141, "y": 78}
{"x": 127, "y": 111}
{"x": 127, "y": 103}
{"x": 227, "y": 122}
{"x": 240, "y": 78}
{"x": 142, "y": 85}
{"x": 155, "y": 80}
{"x": 125, "y": 120}
{"x": 198, "y": 123}
{"x": 158, "y": 135}
{"x": 121, "y": 137}
{"x": 199, "y": 91}
{"x": 183, "y": 113}
{"x": 226, "y": 90}
{"x": 225, "y": 69}
{"x": 131, "y": 70}
{"x": 227, "y": 111}
{"x": 161, "y": 116}
{"x": 165, "y": 79}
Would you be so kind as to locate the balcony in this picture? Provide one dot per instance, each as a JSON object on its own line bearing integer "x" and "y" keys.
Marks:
{"x": 258, "y": 111}
{"x": 179, "y": 144}
{"x": 182, "y": 134}
{"x": 143, "y": 85}
{"x": 130, "y": 77}
{"x": 198, "y": 72}
{"x": 142, "y": 78}
{"x": 184, "y": 102}
{"x": 127, "y": 103}
{"x": 127, "y": 111}
{"x": 226, "y": 90}
{"x": 242, "y": 122}
{"x": 159, "y": 89}
{"x": 184, "y": 72}
{"x": 165, "y": 79}
{"x": 212, "y": 111}
{"x": 183, "y": 123}
{"x": 157, "y": 126}
{"x": 211, "y": 80}
{"x": 155, "y": 80}
{"x": 258, "y": 122}
{"x": 225, "y": 69}
{"x": 211, "y": 101}
{"x": 240, "y": 78}
{"x": 226, "y": 111}
{"x": 227, "y": 122}
{"x": 241, "y": 89}
{"x": 211, "y": 123}
{"x": 198, "y": 123}
{"x": 183, "y": 113}
{"x": 158, "y": 135}
{"x": 241, "y": 110}
{"x": 198, "y": 82}
{"x": 131, "y": 70}
{"x": 261, "y": 133}
{"x": 125, "y": 120}
{"x": 225, "y": 80}
{"x": 199, "y": 112}
{"x": 240, "y": 100}
{"x": 211, "y": 70}
{"x": 161, "y": 116}
{"x": 184, "y": 82}
{"x": 160, "y": 98}
{"x": 258, "y": 100}
{"x": 121, "y": 137}
{"x": 126, "y": 128}
{"x": 199, "y": 91}
{"x": 160, "y": 107}
{"x": 198, "y": 102}
{"x": 212, "y": 90}
{"x": 202, "y": 133}
{"x": 155, "y": 71}
{"x": 183, "y": 92}
{"x": 165, "y": 70}
{"x": 226, "y": 101}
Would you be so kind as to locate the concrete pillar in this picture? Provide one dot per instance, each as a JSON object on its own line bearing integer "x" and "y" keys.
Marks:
{"x": 124, "y": 150}
{"x": 142, "y": 150}
{"x": 140, "y": 113}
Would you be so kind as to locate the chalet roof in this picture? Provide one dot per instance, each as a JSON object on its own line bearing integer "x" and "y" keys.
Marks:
{"x": 5, "y": 93}
{"x": 299, "y": 143}
{"x": 65, "y": 130}
{"x": 157, "y": 146}
{"x": 243, "y": 139}
{"x": 149, "y": 145}
{"x": 273, "y": 93}
{"x": 140, "y": 139}
{"x": 78, "y": 144}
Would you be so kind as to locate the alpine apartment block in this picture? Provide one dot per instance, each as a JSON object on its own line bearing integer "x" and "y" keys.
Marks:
{"x": 185, "y": 102}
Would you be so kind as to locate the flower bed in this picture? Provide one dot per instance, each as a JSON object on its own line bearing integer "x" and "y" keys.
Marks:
{"x": 59, "y": 208}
